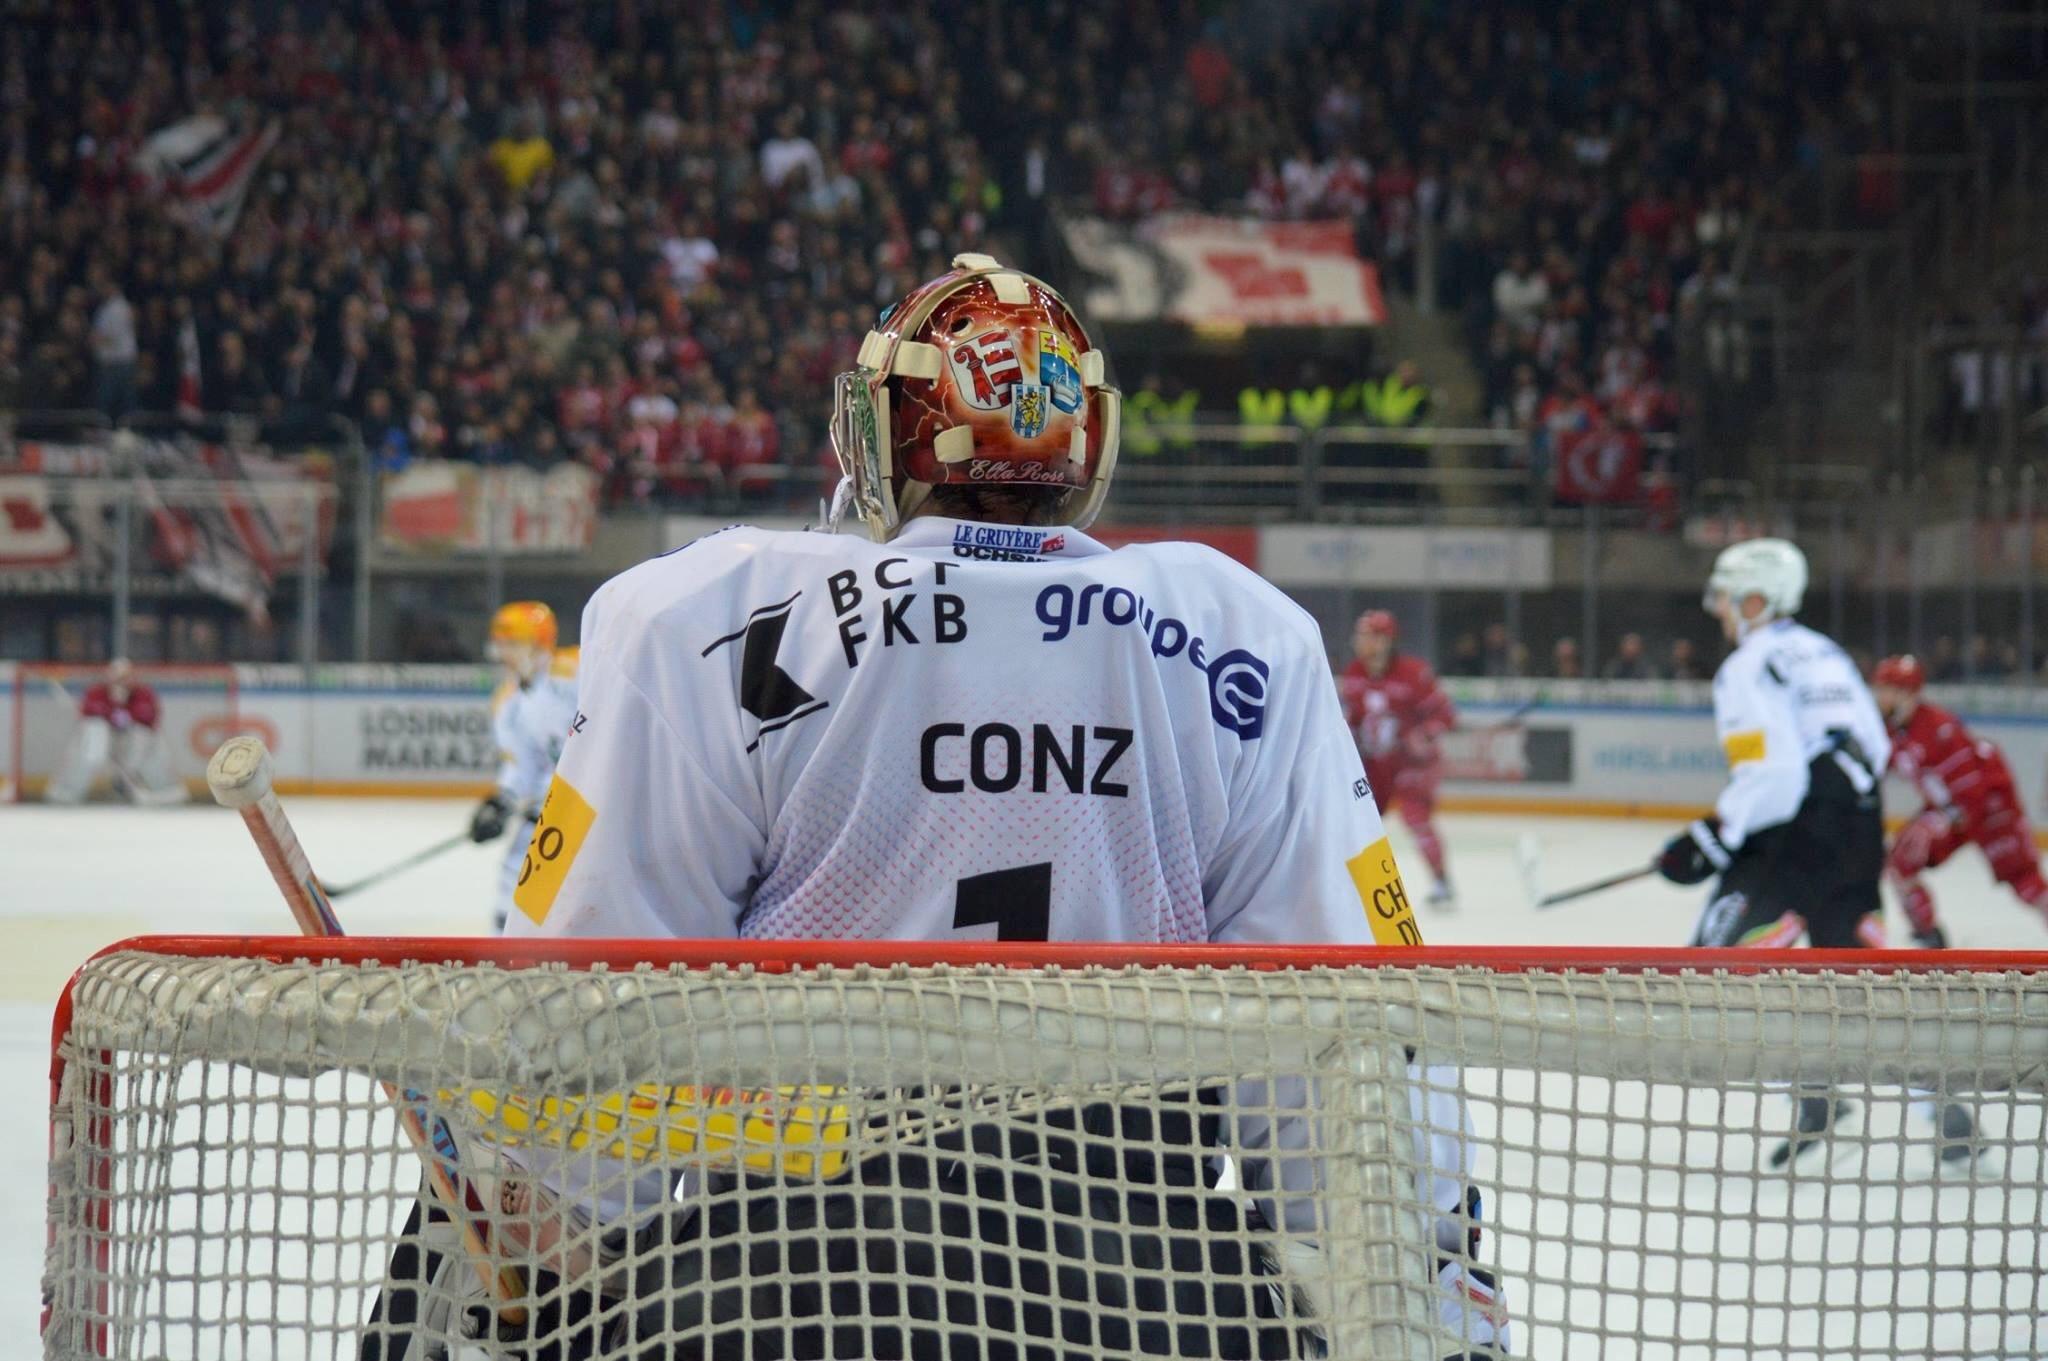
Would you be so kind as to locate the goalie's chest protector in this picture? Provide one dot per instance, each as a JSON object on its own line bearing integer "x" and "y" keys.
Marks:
{"x": 954, "y": 732}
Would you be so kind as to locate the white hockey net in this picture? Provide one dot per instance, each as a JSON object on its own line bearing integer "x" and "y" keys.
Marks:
{"x": 934, "y": 1160}
{"x": 200, "y": 704}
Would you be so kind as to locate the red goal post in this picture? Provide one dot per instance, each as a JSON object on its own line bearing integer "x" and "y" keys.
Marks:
{"x": 201, "y": 707}
{"x": 1616, "y": 1107}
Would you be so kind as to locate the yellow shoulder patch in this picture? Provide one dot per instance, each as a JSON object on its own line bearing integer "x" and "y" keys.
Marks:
{"x": 565, "y": 819}
{"x": 1378, "y": 880}
{"x": 1744, "y": 746}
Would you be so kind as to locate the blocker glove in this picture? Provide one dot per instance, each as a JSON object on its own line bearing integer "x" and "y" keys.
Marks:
{"x": 1695, "y": 854}
{"x": 488, "y": 822}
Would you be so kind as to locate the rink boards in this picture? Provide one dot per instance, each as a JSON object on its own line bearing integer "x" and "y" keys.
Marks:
{"x": 1593, "y": 747}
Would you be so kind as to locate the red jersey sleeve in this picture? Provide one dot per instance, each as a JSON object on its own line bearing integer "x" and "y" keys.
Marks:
{"x": 1429, "y": 709}
{"x": 142, "y": 705}
{"x": 1951, "y": 767}
{"x": 99, "y": 703}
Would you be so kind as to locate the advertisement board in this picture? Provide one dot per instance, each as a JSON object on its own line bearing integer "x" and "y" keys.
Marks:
{"x": 1338, "y": 555}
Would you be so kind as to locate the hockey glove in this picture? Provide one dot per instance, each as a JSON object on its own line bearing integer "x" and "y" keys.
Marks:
{"x": 1695, "y": 854}
{"x": 488, "y": 822}
{"x": 1933, "y": 938}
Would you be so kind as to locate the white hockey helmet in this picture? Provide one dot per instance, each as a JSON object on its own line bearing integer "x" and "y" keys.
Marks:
{"x": 1774, "y": 569}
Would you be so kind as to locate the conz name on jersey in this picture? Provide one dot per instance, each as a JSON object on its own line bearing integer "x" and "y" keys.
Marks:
{"x": 1081, "y": 761}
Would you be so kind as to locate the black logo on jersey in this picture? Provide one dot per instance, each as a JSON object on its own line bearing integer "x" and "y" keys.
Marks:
{"x": 766, "y": 691}
{"x": 908, "y": 617}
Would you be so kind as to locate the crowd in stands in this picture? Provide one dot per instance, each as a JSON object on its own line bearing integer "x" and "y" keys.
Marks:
{"x": 1495, "y": 652}
{"x": 1585, "y": 174}
{"x": 642, "y": 235}
{"x": 646, "y": 235}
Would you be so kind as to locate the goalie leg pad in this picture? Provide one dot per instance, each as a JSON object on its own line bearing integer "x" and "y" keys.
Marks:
{"x": 87, "y": 753}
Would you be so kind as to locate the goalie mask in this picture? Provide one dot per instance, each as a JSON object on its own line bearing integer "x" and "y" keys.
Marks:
{"x": 983, "y": 377}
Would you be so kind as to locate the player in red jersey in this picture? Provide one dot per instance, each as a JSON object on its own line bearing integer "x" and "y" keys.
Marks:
{"x": 1397, "y": 712}
{"x": 117, "y": 728}
{"x": 1970, "y": 798}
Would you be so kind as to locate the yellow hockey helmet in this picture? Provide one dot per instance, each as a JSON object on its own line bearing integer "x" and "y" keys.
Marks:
{"x": 524, "y": 621}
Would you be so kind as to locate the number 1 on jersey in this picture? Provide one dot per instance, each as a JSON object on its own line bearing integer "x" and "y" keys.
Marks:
{"x": 1018, "y": 901}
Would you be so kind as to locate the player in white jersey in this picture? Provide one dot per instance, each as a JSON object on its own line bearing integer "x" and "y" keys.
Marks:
{"x": 1797, "y": 837}
{"x": 530, "y": 720}
{"x": 981, "y": 724}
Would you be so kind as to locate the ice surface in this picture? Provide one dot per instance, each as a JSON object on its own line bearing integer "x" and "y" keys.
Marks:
{"x": 79, "y": 879}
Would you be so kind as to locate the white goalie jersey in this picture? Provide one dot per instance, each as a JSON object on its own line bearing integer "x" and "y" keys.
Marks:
{"x": 971, "y": 732}
{"x": 974, "y": 732}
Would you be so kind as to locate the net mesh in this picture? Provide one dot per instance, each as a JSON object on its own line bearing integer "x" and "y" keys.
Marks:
{"x": 1055, "y": 1161}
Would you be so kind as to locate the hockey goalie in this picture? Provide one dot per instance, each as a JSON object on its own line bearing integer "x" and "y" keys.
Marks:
{"x": 117, "y": 735}
{"x": 976, "y": 723}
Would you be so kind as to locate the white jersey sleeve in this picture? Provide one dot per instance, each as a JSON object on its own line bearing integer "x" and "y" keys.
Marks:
{"x": 1307, "y": 858}
{"x": 1785, "y": 696}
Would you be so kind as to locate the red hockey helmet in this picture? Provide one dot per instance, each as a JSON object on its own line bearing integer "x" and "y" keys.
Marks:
{"x": 1903, "y": 672}
{"x": 982, "y": 377}
{"x": 1380, "y": 622}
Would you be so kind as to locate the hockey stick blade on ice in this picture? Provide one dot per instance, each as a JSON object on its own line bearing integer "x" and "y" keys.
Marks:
{"x": 1529, "y": 860}
{"x": 419, "y": 857}
{"x": 240, "y": 776}
{"x": 1597, "y": 886}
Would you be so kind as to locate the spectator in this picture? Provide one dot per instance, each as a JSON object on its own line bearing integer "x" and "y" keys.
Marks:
{"x": 1465, "y": 658}
{"x": 521, "y": 156}
{"x": 1520, "y": 293}
{"x": 1631, "y": 660}
{"x": 1989, "y": 662}
{"x": 1399, "y": 399}
{"x": 1498, "y": 652}
{"x": 233, "y": 383}
{"x": 1564, "y": 660}
{"x": 114, "y": 347}
{"x": 1684, "y": 664}
{"x": 789, "y": 153}
{"x": 1944, "y": 662}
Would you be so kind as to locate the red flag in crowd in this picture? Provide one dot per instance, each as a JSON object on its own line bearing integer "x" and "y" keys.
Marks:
{"x": 1604, "y": 464}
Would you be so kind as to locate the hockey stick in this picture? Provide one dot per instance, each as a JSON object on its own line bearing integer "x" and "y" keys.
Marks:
{"x": 416, "y": 858}
{"x": 240, "y": 776}
{"x": 1529, "y": 860}
{"x": 1513, "y": 719}
{"x": 1597, "y": 886}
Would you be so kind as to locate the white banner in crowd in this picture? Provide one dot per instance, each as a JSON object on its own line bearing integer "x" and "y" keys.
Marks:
{"x": 441, "y": 505}
{"x": 1200, "y": 270}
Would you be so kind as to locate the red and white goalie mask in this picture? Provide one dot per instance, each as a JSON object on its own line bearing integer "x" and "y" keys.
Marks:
{"x": 983, "y": 377}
